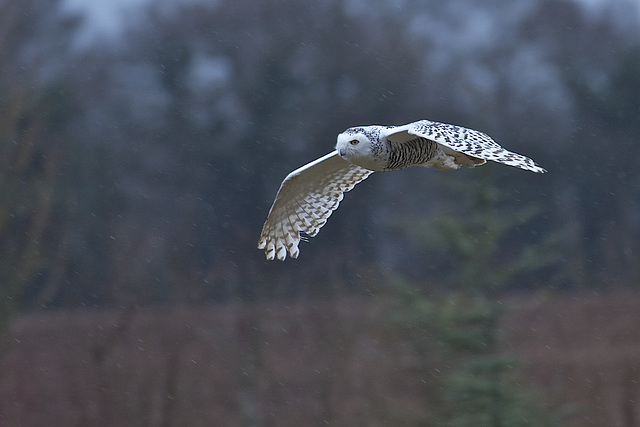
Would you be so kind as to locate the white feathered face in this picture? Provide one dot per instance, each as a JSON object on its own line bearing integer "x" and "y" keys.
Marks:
{"x": 357, "y": 148}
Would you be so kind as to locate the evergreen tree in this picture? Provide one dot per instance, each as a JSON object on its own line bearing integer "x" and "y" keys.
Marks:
{"x": 458, "y": 334}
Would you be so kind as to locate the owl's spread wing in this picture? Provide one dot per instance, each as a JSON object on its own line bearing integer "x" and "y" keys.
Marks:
{"x": 468, "y": 141}
{"x": 305, "y": 200}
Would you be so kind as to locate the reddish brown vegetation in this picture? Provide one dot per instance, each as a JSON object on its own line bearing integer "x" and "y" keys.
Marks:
{"x": 583, "y": 349}
{"x": 298, "y": 364}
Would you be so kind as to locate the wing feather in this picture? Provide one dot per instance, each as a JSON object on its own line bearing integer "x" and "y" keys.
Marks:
{"x": 468, "y": 141}
{"x": 305, "y": 200}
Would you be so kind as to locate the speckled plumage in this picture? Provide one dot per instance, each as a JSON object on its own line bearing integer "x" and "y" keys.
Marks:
{"x": 310, "y": 194}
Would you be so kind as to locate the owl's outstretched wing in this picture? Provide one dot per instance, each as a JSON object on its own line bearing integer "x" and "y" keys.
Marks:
{"x": 468, "y": 141}
{"x": 305, "y": 200}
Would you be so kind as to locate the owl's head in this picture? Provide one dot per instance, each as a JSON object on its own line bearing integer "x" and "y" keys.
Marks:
{"x": 361, "y": 146}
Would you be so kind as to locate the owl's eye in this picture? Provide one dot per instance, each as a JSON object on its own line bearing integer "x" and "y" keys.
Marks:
{"x": 354, "y": 142}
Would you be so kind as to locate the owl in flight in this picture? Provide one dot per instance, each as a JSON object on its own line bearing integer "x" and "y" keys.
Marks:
{"x": 310, "y": 194}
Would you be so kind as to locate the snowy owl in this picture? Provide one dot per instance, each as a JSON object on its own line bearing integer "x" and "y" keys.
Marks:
{"x": 309, "y": 195}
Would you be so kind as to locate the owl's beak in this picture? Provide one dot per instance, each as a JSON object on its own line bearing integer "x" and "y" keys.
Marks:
{"x": 341, "y": 153}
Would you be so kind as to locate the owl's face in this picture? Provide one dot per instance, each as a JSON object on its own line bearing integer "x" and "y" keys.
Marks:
{"x": 355, "y": 146}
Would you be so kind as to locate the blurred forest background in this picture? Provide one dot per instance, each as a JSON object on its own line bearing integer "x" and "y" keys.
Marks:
{"x": 139, "y": 158}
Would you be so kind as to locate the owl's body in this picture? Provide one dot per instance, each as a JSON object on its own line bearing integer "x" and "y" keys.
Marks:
{"x": 309, "y": 195}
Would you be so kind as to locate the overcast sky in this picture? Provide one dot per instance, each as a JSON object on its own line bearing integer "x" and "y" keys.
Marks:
{"x": 106, "y": 17}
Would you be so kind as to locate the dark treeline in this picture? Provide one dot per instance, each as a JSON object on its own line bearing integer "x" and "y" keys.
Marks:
{"x": 140, "y": 169}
